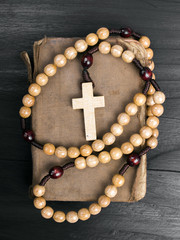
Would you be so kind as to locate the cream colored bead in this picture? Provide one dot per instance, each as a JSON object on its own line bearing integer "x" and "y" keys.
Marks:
{"x": 38, "y": 190}
{"x": 60, "y": 60}
{"x": 25, "y": 112}
{"x": 152, "y": 142}
{"x": 123, "y": 119}
{"x": 70, "y": 53}
{"x": 104, "y": 201}
{"x": 94, "y": 208}
{"x": 104, "y": 157}
{"x": 153, "y": 76}
{"x": 61, "y": 152}
{"x": 91, "y": 39}
{"x": 155, "y": 132}
{"x": 28, "y": 100}
{"x": 116, "y": 129}
{"x": 104, "y": 47}
{"x": 81, "y": 45}
{"x": 59, "y": 216}
{"x": 103, "y": 33}
{"x": 149, "y": 111}
{"x": 145, "y": 132}
{"x": 159, "y": 97}
{"x": 152, "y": 122}
{"x": 84, "y": 214}
{"x": 109, "y": 138}
{"x": 136, "y": 140}
{"x": 111, "y": 191}
{"x": 47, "y": 212}
{"x": 151, "y": 66}
{"x": 157, "y": 109}
{"x": 118, "y": 180}
{"x": 139, "y": 99}
{"x": 39, "y": 202}
{"x": 128, "y": 56}
{"x": 151, "y": 90}
{"x": 98, "y": 145}
{"x": 92, "y": 161}
{"x": 127, "y": 148}
{"x": 150, "y": 53}
{"x": 73, "y": 152}
{"x": 49, "y": 149}
{"x": 116, "y": 153}
{"x": 85, "y": 150}
{"x": 42, "y": 79}
{"x": 34, "y": 89}
{"x": 116, "y": 50}
{"x": 80, "y": 163}
{"x": 150, "y": 100}
{"x": 72, "y": 217}
{"x": 50, "y": 70}
{"x": 145, "y": 41}
{"x": 131, "y": 109}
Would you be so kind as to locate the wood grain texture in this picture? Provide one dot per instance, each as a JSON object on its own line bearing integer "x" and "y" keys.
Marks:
{"x": 21, "y": 23}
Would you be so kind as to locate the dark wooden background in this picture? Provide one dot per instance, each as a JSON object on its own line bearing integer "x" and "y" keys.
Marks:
{"x": 157, "y": 216}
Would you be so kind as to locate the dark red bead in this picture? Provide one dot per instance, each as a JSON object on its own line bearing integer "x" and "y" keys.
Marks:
{"x": 126, "y": 32}
{"x": 87, "y": 60}
{"x": 56, "y": 172}
{"x": 146, "y": 74}
{"x": 133, "y": 159}
{"x": 28, "y": 135}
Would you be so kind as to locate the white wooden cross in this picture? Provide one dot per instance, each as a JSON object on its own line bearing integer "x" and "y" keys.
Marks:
{"x": 88, "y": 103}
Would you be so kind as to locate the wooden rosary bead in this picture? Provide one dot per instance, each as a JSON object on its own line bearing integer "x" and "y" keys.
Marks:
{"x": 155, "y": 132}
{"x": 151, "y": 90}
{"x": 152, "y": 142}
{"x": 94, "y": 208}
{"x": 116, "y": 153}
{"x": 73, "y": 152}
{"x": 92, "y": 161}
{"x": 41, "y": 79}
{"x": 34, "y": 89}
{"x": 61, "y": 152}
{"x": 80, "y": 163}
{"x": 145, "y": 73}
{"x": 85, "y": 150}
{"x": 91, "y": 39}
{"x": 145, "y": 41}
{"x": 39, "y": 190}
{"x": 39, "y": 202}
{"x": 116, "y": 50}
{"x": 104, "y": 47}
{"x": 127, "y": 148}
{"x": 49, "y": 149}
{"x": 87, "y": 60}
{"x": 84, "y": 214}
{"x": 149, "y": 112}
{"x": 104, "y": 157}
{"x": 50, "y": 70}
{"x": 157, "y": 109}
{"x": 28, "y": 100}
{"x": 159, "y": 97}
{"x": 56, "y": 172}
{"x": 81, "y": 45}
{"x": 25, "y": 112}
{"x": 151, "y": 66}
{"x": 150, "y": 53}
{"x": 103, "y": 33}
{"x": 139, "y": 99}
{"x": 28, "y": 135}
{"x": 118, "y": 180}
{"x": 131, "y": 109}
{"x": 70, "y": 53}
{"x": 123, "y": 119}
{"x": 152, "y": 122}
{"x": 109, "y": 138}
{"x": 116, "y": 129}
{"x": 136, "y": 140}
{"x": 126, "y": 32}
{"x": 60, "y": 60}
{"x": 128, "y": 56}
{"x": 150, "y": 100}
{"x": 111, "y": 191}
{"x": 133, "y": 159}
{"x": 72, "y": 217}
{"x": 59, "y": 216}
{"x": 98, "y": 145}
{"x": 47, "y": 212}
{"x": 145, "y": 132}
{"x": 104, "y": 201}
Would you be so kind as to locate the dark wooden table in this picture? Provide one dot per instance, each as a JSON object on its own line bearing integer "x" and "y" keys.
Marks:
{"x": 157, "y": 216}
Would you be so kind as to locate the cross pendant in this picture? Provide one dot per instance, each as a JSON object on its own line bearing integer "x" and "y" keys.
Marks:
{"x": 88, "y": 103}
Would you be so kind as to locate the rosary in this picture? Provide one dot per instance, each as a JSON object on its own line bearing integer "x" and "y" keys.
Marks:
{"x": 83, "y": 157}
